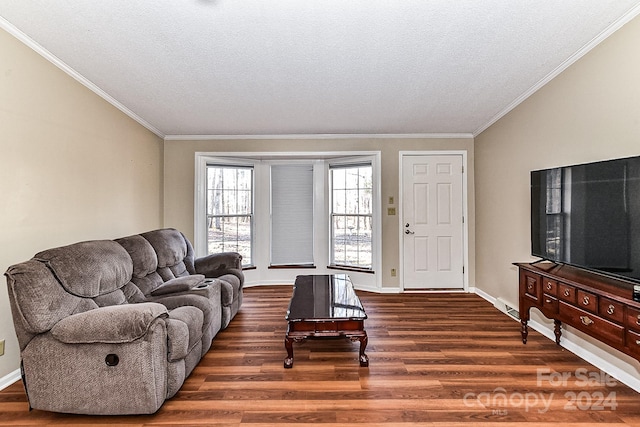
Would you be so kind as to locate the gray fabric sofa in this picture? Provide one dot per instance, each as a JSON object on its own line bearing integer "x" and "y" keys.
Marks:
{"x": 115, "y": 326}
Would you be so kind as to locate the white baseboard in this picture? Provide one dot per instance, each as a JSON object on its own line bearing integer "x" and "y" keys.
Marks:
{"x": 482, "y": 294}
{"x": 383, "y": 290}
{"x": 9, "y": 379}
{"x": 265, "y": 283}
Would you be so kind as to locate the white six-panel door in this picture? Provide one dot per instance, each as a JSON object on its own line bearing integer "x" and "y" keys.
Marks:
{"x": 433, "y": 229}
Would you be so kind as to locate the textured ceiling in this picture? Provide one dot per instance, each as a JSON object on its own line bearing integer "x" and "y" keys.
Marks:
{"x": 257, "y": 67}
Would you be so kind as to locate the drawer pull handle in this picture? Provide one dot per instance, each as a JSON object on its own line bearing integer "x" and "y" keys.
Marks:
{"x": 586, "y": 320}
{"x": 611, "y": 309}
{"x": 548, "y": 286}
{"x": 566, "y": 292}
{"x": 638, "y": 320}
{"x": 637, "y": 342}
{"x": 585, "y": 301}
{"x": 529, "y": 286}
{"x": 548, "y": 301}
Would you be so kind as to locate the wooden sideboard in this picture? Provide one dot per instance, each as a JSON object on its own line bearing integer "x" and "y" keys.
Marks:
{"x": 600, "y": 306}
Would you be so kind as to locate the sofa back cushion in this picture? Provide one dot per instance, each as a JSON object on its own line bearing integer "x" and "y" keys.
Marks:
{"x": 158, "y": 256}
{"x": 89, "y": 269}
{"x": 38, "y": 300}
{"x": 174, "y": 251}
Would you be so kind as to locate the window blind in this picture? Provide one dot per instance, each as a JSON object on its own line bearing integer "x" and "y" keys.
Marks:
{"x": 292, "y": 214}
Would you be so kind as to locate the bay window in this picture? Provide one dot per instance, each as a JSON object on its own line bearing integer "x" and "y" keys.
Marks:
{"x": 291, "y": 213}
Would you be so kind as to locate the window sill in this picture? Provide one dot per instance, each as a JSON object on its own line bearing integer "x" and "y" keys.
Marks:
{"x": 291, "y": 266}
{"x": 347, "y": 268}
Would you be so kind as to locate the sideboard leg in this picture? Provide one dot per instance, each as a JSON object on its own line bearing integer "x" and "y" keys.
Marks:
{"x": 556, "y": 330}
{"x": 524, "y": 330}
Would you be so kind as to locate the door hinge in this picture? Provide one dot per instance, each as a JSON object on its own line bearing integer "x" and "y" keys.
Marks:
{"x": 463, "y": 220}
{"x": 463, "y": 269}
{"x": 462, "y": 169}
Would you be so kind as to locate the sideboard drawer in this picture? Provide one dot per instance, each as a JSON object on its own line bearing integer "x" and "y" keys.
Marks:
{"x": 612, "y": 310}
{"x": 549, "y": 286}
{"x": 586, "y": 300}
{"x": 549, "y": 304}
{"x": 593, "y": 325}
{"x": 566, "y": 292}
{"x": 633, "y": 318}
{"x": 633, "y": 341}
{"x": 531, "y": 284}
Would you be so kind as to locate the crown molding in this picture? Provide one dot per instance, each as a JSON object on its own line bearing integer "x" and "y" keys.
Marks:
{"x": 615, "y": 26}
{"x": 11, "y": 29}
{"x": 321, "y": 136}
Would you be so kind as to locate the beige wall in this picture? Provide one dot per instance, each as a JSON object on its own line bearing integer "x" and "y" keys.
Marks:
{"x": 72, "y": 168}
{"x": 590, "y": 112}
{"x": 179, "y": 179}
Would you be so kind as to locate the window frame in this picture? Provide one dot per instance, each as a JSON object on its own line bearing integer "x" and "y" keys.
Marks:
{"x": 250, "y": 215}
{"x": 345, "y": 164}
{"x": 200, "y": 197}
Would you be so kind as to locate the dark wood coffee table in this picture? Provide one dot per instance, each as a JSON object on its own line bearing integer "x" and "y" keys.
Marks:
{"x": 325, "y": 306}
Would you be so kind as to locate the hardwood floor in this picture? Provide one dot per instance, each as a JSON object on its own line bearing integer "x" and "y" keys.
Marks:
{"x": 435, "y": 360}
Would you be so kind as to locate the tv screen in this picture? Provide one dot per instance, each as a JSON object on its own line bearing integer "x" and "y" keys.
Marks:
{"x": 588, "y": 216}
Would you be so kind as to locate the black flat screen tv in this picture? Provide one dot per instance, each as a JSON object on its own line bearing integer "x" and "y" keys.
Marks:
{"x": 588, "y": 216}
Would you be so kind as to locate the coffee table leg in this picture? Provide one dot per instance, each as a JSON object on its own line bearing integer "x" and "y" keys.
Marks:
{"x": 288, "y": 344}
{"x": 364, "y": 359}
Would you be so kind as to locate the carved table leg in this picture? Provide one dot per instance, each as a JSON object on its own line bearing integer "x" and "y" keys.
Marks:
{"x": 557, "y": 330}
{"x": 288, "y": 344}
{"x": 364, "y": 359}
{"x": 524, "y": 330}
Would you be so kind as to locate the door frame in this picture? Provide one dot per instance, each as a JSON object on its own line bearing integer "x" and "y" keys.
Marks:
{"x": 465, "y": 213}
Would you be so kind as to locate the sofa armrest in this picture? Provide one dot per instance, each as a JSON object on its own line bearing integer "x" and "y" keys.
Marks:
{"x": 99, "y": 378}
{"x": 216, "y": 265}
{"x": 112, "y": 324}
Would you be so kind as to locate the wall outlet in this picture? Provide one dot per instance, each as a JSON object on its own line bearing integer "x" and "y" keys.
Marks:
{"x": 393, "y": 272}
{"x": 1, "y": 347}
{"x": 391, "y": 211}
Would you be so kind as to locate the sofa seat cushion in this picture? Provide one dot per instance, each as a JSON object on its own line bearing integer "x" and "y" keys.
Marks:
{"x": 179, "y": 284}
{"x": 114, "y": 324}
{"x": 193, "y": 318}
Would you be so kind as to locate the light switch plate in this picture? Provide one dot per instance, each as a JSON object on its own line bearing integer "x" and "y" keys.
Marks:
{"x": 391, "y": 211}
{"x": 1, "y": 347}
